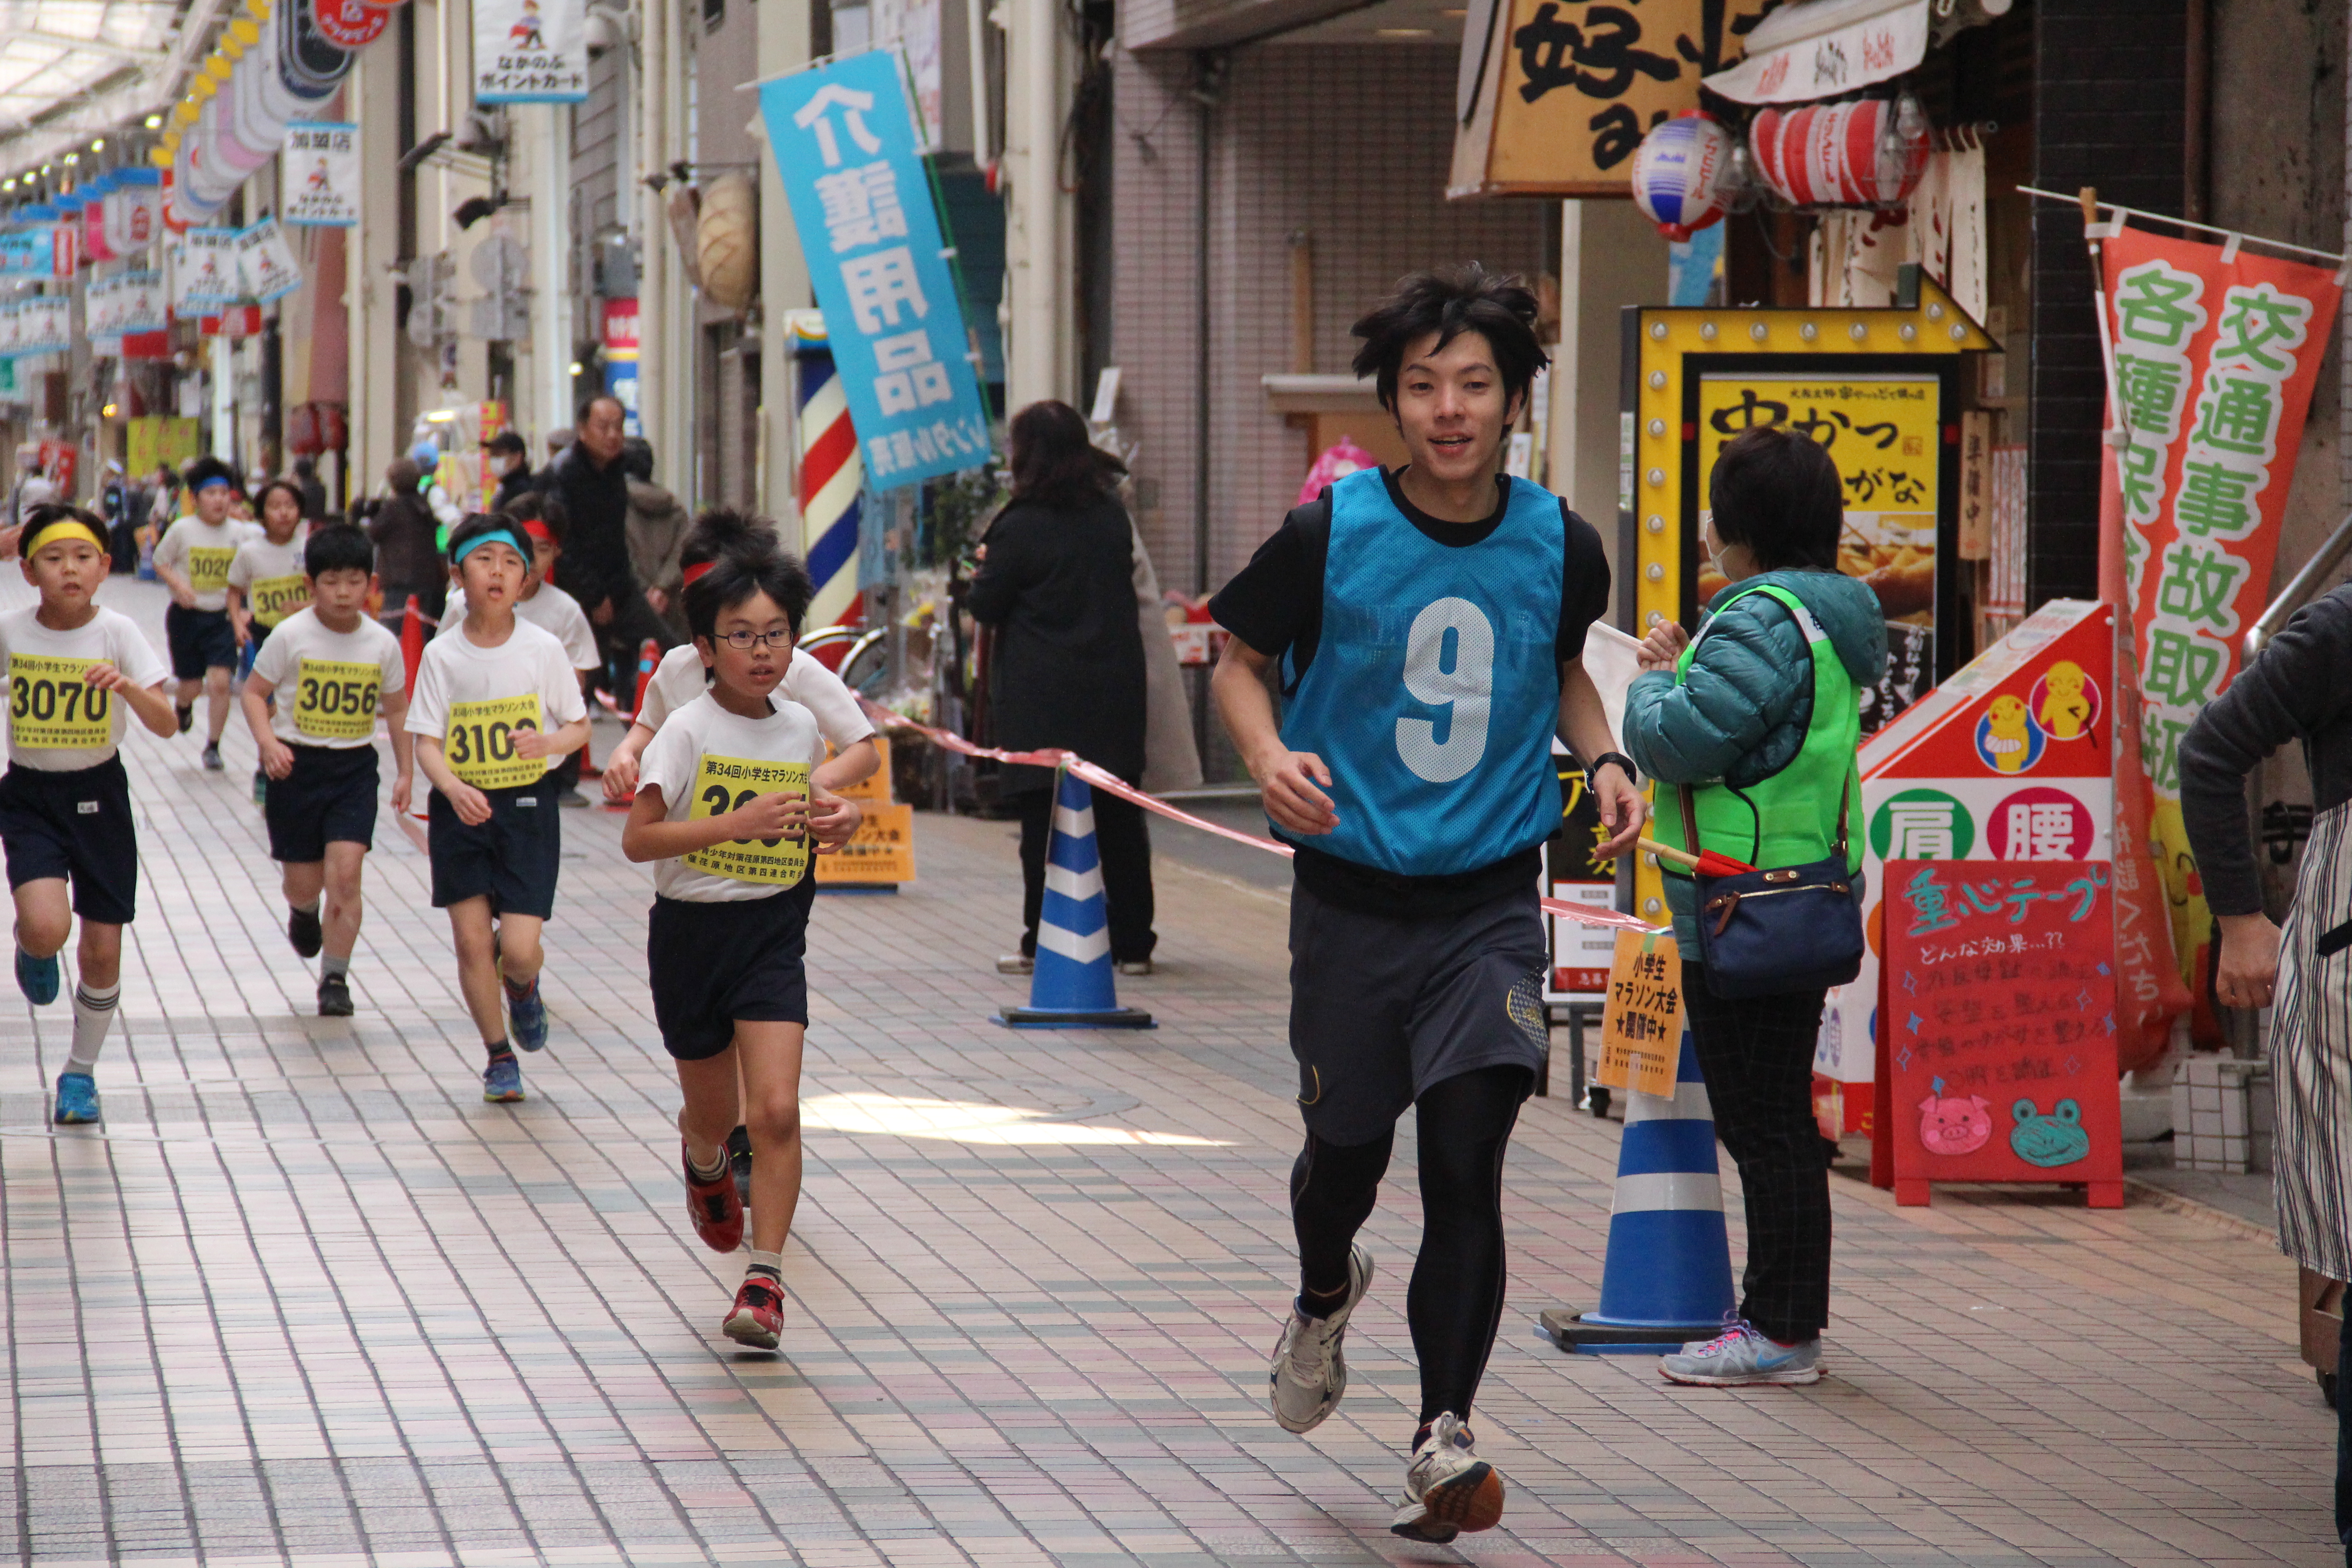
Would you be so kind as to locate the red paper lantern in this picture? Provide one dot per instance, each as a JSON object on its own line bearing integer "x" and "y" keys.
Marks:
{"x": 1864, "y": 154}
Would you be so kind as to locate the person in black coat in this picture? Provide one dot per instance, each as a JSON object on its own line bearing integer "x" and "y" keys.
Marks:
{"x": 1056, "y": 581}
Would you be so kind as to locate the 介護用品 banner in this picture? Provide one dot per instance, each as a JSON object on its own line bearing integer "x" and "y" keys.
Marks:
{"x": 852, "y": 163}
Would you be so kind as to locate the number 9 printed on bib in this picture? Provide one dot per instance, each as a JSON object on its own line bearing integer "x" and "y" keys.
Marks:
{"x": 723, "y": 784}
{"x": 480, "y": 743}
{"x": 275, "y": 598}
{"x": 335, "y": 699}
{"x": 52, "y": 707}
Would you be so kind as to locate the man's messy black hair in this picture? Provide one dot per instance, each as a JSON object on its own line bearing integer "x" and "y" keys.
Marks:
{"x": 1449, "y": 302}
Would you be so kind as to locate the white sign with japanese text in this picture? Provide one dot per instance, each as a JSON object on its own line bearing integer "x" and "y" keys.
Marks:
{"x": 531, "y": 51}
{"x": 322, "y": 176}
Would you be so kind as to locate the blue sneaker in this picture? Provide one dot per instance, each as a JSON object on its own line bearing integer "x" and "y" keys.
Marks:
{"x": 527, "y": 1014}
{"x": 77, "y": 1099}
{"x": 502, "y": 1081}
{"x": 1741, "y": 1356}
{"x": 37, "y": 978}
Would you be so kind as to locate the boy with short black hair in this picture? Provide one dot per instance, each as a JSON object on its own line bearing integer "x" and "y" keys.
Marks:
{"x": 726, "y": 805}
{"x": 495, "y": 708}
{"x": 332, "y": 668}
{"x": 74, "y": 669}
{"x": 194, "y": 559}
{"x": 547, "y": 607}
{"x": 1429, "y": 625}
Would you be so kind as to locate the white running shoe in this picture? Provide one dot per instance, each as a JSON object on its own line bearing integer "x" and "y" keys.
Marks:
{"x": 1310, "y": 1369}
{"x": 1447, "y": 1488}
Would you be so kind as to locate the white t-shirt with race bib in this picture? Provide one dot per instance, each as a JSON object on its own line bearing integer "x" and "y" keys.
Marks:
{"x": 271, "y": 576}
{"x": 473, "y": 699}
{"x": 203, "y": 553}
{"x": 678, "y": 680}
{"x": 328, "y": 683}
{"x": 551, "y": 610}
{"x": 57, "y": 722}
{"x": 707, "y": 761}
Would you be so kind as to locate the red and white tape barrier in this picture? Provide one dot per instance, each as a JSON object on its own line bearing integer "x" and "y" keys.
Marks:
{"x": 1103, "y": 779}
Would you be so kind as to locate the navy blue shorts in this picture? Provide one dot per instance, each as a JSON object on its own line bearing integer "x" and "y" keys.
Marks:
{"x": 712, "y": 964}
{"x": 512, "y": 860}
{"x": 76, "y": 826}
{"x": 329, "y": 797}
{"x": 199, "y": 640}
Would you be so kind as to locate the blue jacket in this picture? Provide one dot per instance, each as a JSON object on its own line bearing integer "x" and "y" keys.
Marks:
{"x": 1743, "y": 709}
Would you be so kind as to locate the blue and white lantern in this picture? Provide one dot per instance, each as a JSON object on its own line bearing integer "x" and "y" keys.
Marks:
{"x": 1682, "y": 175}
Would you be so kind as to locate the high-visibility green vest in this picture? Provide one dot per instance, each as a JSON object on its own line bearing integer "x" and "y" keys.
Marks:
{"x": 1792, "y": 817}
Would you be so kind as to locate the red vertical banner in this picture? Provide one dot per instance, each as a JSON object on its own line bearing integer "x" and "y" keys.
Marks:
{"x": 2216, "y": 353}
{"x": 2000, "y": 1014}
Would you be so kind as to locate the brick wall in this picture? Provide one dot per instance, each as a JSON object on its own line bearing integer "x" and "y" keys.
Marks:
{"x": 1349, "y": 144}
{"x": 2107, "y": 112}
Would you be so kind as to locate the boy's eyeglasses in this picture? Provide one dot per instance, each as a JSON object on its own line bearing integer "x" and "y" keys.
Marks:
{"x": 744, "y": 642}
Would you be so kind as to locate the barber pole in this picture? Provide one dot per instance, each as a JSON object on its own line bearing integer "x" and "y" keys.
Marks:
{"x": 831, "y": 477}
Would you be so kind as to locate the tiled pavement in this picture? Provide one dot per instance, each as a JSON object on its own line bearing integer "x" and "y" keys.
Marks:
{"x": 305, "y": 1298}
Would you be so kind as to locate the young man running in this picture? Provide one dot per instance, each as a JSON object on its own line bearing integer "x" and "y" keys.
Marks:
{"x": 1428, "y": 625}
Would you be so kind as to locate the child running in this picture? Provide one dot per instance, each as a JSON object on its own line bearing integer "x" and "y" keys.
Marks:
{"x": 65, "y": 801}
{"x": 547, "y": 607}
{"x": 681, "y": 678}
{"x": 338, "y": 667}
{"x": 482, "y": 712}
{"x": 266, "y": 582}
{"x": 193, "y": 559}
{"x": 725, "y": 805}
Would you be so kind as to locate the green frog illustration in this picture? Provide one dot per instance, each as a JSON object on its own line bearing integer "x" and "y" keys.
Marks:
{"x": 2057, "y": 1139}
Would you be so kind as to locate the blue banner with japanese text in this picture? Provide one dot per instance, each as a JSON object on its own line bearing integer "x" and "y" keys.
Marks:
{"x": 852, "y": 165}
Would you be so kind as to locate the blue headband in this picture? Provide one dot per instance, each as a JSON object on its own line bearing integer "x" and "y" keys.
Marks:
{"x": 495, "y": 536}
{"x": 209, "y": 480}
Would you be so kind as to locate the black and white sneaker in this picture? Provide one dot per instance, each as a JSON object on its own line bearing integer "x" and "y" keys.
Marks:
{"x": 213, "y": 764}
{"x": 1448, "y": 1488}
{"x": 334, "y": 998}
{"x": 1310, "y": 1366}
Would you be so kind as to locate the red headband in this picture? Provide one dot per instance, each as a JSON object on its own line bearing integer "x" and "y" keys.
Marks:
{"x": 539, "y": 530}
{"x": 687, "y": 576}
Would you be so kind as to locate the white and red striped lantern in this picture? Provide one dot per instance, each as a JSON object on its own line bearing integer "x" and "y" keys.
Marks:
{"x": 1869, "y": 153}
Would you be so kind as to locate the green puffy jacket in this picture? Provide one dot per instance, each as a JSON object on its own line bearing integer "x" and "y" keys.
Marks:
{"x": 1742, "y": 713}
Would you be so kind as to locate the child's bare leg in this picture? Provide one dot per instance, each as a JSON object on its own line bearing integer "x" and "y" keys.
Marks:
{"x": 770, "y": 1054}
{"x": 478, "y": 967}
{"x": 44, "y": 916}
{"x": 709, "y": 1112}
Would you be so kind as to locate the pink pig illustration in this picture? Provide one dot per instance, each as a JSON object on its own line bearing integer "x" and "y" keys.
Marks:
{"x": 1950, "y": 1125}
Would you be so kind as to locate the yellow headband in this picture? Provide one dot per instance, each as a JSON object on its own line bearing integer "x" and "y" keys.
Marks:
{"x": 62, "y": 528}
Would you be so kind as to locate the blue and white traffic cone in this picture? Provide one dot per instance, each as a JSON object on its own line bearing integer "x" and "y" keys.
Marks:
{"x": 1072, "y": 985}
{"x": 1667, "y": 1277}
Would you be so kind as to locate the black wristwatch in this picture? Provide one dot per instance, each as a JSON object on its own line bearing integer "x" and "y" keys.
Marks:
{"x": 1632, "y": 774}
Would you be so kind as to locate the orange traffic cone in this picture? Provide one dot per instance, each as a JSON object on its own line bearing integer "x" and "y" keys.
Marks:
{"x": 649, "y": 654}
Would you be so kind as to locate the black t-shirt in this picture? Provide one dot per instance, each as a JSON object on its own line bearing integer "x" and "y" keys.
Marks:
{"x": 1276, "y": 605}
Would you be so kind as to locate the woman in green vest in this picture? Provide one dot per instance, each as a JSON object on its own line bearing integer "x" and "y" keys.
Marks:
{"x": 1758, "y": 717}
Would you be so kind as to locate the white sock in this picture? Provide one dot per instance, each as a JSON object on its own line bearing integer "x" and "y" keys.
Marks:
{"x": 770, "y": 1264}
{"x": 93, "y": 1011}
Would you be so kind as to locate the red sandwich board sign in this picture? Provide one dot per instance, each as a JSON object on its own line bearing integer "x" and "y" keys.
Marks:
{"x": 1998, "y": 1057}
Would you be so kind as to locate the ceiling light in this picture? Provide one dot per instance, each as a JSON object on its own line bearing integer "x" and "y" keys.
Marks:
{"x": 154, "y": 123}
{"x": 8, "y": 184}
{"x": 71, "y": 158}
{"x": 109, "y": 411}
{"x": 1401, "y": 32}
{"x": 575, "y": 367}
{"x": 98, "y": 146}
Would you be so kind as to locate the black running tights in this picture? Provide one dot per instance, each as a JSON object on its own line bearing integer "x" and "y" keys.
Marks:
{"x": 1456, "y": 1300}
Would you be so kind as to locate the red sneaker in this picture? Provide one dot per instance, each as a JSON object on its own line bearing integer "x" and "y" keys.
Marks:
{"x": 758, "y": 1317}
{"x": 717, "y": 1212}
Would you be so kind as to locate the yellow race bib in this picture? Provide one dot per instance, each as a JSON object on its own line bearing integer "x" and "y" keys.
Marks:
{"x": 51, "y": 707}
{"x": 208, "y": 567}
{"x": 723, "y": 784}
{"x": 480, "y": 743}
{"x": 335, "y": 699}
{"x": 272, "y": 599}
